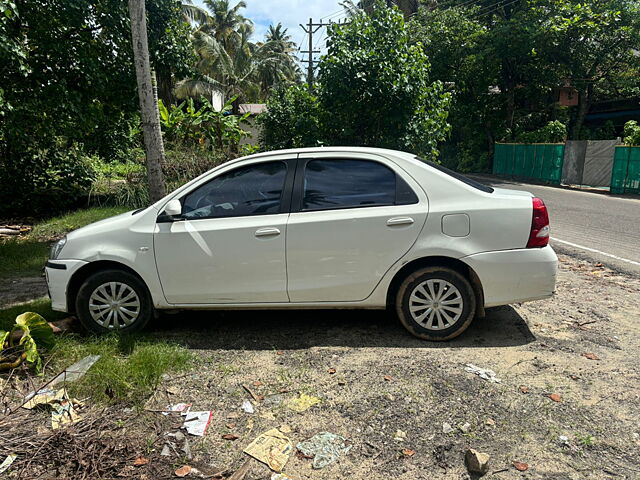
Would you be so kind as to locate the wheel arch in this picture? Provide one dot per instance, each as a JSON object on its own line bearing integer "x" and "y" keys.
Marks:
{"x": 439, "y": 261}
{"x": 89, "y": 269}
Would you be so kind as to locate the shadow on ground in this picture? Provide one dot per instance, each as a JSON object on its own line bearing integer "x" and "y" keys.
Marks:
{"x": 291, "y": 330}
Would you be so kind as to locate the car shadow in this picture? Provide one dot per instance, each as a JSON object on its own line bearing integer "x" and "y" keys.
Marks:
{"x": 301, "y": 329}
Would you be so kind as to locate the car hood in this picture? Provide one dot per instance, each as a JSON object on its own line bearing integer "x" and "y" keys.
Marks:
{"x": 108, "y": 224}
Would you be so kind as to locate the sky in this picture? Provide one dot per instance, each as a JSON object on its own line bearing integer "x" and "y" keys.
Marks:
{"x": 291, "y": 13}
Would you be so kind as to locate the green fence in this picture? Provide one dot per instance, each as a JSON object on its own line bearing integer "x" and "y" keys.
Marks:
{"x": 538, "y": 161}
{"x": 625, "y": 176}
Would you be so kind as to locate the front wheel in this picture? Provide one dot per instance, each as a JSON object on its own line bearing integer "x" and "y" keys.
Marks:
{"x": 113, "y": 300}
{"x": 436, "y": 303}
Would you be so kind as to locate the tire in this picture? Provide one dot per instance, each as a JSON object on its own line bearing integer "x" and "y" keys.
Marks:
{"x": 95, "y": 297}
{"x": 448, "y": 321}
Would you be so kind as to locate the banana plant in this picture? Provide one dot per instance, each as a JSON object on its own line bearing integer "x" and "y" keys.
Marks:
{"x": 21, "y": 342}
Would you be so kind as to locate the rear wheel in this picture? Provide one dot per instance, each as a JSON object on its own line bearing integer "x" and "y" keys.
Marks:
{"x": 113, "y": 300}
{"x": 436, "y": 303}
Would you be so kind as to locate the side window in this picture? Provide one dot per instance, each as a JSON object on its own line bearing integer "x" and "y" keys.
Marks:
{"x": 341, "y": 183}
{"x": 251, "y": 190}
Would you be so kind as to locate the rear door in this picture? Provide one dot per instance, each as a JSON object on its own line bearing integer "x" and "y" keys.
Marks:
{"x": 353, "y": 216}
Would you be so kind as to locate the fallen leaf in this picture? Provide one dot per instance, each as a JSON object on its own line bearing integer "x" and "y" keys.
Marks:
{"x": 555, "y": 397}
{"x": 388, "y": 378}
{"x": 173, "y": 390}
{"x": 522, "y": 467}
{"x": 331, "y": 371}
{"x": 591, "y": 356}
{"x": 524, "y": 389}
{"x": 231, "y": 425}
{"x": 599, "y": 265}
{"x": 407, "y": 452}
{"x": 489, "y": 421}
{"x": 574, "y": 377}
{"x": 230, "y": 436}
{"x": 279, "y": 352}
{"x": 140, "y": 461}
{"x": 183, "y": 471}
{"x": 257, "y": 383}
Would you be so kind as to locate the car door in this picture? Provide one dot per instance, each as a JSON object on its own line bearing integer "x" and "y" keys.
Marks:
{"x": 353, "y": 216}
{"x": 228, "y": 246}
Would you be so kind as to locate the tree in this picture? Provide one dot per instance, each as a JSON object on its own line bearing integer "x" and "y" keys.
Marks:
{"x": 374, "y": 86}
{"x": 148, "y": 101}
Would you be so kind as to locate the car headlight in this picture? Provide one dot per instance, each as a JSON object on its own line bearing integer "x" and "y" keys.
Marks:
{"x": 57, "y": 248}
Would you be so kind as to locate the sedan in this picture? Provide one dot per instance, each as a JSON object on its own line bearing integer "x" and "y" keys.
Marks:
{"x": 328, "y": 227}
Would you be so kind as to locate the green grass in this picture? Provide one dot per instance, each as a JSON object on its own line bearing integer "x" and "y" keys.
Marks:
{"x": 128, "y": 371}
{"x": 24, "y": 257}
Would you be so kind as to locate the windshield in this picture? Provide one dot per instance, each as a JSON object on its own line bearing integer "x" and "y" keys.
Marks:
{"x": 458, "y": 176}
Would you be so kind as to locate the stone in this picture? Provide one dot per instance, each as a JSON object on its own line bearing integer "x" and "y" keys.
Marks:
{"x": 446, "y": 428}
{"x": 477, "y": 462}
{"x": 466, "y": 428}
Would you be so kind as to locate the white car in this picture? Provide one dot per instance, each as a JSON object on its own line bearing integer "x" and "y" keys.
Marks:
{"x": 328, "y": 227}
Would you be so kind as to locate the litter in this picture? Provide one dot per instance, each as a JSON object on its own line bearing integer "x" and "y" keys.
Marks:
{"x": 483, "y": 373}
{"x": 70, "y": 374}
{"x": 181, "y": 408}
{"x": 272, "y": 448}
{"x": 62, "y": 409}
{"x": 247, "y": 407}
{"x": 280, "y": 476}
{"x": 325, "y": 448}
{"x": 4, "y": 466}
{"x": 196, "y": 423}
{"x": 302, "y": 403}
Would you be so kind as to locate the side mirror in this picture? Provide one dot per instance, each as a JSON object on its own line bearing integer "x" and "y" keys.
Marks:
{"x": 173, "y": 208}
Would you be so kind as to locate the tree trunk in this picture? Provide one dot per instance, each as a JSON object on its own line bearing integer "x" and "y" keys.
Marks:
{"x": 165, "y": 88}
{"x": 147, "y": 94}
{"x": 584, "y": 102}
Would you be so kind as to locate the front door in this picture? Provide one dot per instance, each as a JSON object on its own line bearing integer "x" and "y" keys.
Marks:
{"x": 229, "y": 244}
{"x": 353, "y": 216}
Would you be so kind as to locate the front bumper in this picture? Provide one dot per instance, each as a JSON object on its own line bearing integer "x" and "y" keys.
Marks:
{"x": 514, "y": 276}
{"x": 58, "y": 274}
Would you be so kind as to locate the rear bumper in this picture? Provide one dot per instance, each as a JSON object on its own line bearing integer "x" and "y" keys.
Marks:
{"x": 58, "y": 274}
{"x": 513, "y": 276}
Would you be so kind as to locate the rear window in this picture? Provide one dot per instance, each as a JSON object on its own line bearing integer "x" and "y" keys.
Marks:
{"x": 458, "y": 176}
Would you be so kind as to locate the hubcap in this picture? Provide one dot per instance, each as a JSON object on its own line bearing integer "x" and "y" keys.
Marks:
{"x": 114, "y": 305}
{"x": 436, "y": 304}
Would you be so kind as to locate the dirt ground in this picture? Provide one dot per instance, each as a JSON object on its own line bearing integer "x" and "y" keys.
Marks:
{"x": 386, "y": 392}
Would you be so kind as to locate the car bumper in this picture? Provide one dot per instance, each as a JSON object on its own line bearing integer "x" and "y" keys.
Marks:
{"x": 514, "y": 276}
{"x": 58, "y": 273}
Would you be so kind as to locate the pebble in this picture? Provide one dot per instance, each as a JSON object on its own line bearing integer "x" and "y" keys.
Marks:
{"x": 446, "y": 428}
{"x": 465, "y": 428}
{"x": 477, "y": 462}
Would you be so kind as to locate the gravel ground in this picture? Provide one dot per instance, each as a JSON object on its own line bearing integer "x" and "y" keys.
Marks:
{"x": 392, "y": 392}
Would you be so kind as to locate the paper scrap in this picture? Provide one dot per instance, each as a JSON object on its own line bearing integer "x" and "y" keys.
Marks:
{"x": 247, "y": 407}
{"x": 182, "y": 408}
{"x": 483, "y": 373}
{"x": 272, "y": 448}
{"x": 196, "y": 423}
{"x": 302, "y": 403}
{"x": 4, "y": 466}
{"x": 62, "y": 408}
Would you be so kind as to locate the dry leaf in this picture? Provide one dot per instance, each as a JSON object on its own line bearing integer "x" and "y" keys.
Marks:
{"x": 331, "y": 371}
{"x": 183, "y": 471}
{"x": 230, "y": 425}
{"x": 230, "y": 436}
{"x": 407, "y": 452}
{"x": 140, "y": 461}
{"x": 555, "y": 397}
{"x": 388, "y": 378}
{"x": 591, "y": 356}
{"x": 522, "y": 467}
{"x": 257, "y": 383}
{"x": 279, "y": 352}
{"x": 524, "y": 389}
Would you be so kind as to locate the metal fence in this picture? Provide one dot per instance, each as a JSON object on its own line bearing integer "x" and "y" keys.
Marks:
{"x": 537, "y": 161}
{"x": 625, "y": 175}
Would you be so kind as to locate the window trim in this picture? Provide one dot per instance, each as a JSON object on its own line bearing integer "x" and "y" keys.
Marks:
{"x": 285, "y": 195}
{"x": 298, "y": 187}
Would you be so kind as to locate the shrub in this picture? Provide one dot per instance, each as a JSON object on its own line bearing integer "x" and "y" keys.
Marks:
{"x": 553, "y": 132}
{"x": 632, "y": 133}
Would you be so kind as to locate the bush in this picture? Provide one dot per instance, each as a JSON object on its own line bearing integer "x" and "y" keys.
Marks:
{"x": 553, "y": 132}
{"x": 632, "y": 133}
{"x": 45, "y": 180}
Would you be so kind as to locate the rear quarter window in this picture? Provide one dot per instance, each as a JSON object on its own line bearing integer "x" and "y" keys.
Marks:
{"x": 458, "y": 176}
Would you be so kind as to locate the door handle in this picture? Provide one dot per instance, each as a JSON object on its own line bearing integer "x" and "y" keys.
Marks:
{"x": 267, "y": 232}
{"x": 392, "y": 222}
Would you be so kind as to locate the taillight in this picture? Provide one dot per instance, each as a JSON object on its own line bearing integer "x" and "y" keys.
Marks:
{"x": 539, "y": 235}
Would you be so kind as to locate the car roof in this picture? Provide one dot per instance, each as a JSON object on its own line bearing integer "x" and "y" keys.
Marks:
{"x": 337, "y": 149}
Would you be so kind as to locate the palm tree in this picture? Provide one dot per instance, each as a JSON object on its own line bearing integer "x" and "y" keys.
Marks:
{"x": 228, "y": 62}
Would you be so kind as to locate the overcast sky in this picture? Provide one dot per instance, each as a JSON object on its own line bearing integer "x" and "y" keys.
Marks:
{"x": 290, "y": 13}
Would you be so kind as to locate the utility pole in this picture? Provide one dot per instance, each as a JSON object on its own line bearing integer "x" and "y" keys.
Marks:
{"x": 311, "y": 28}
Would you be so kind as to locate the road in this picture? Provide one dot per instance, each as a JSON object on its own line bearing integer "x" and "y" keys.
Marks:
{"x": 596, "y": 225}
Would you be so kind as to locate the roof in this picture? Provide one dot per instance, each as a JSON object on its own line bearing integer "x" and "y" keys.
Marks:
{"x": 253, "y": 108}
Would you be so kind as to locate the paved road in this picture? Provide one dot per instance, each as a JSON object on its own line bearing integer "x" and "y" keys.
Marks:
{"x": 598, "y": 226}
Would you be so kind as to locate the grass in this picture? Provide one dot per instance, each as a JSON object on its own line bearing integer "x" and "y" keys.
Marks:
{"x": 129, "y": 369}
{"x": 25, "y": 256}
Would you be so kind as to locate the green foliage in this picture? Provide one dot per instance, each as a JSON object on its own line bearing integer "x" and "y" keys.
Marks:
{"x": 375, "y": 88}
{"x": 553, "y": 132}
{"x": 185, "y": 124}
{"x": 292, "y": 119}
{"x": 20, "y": 343}
{"x": 631, "y": 133}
